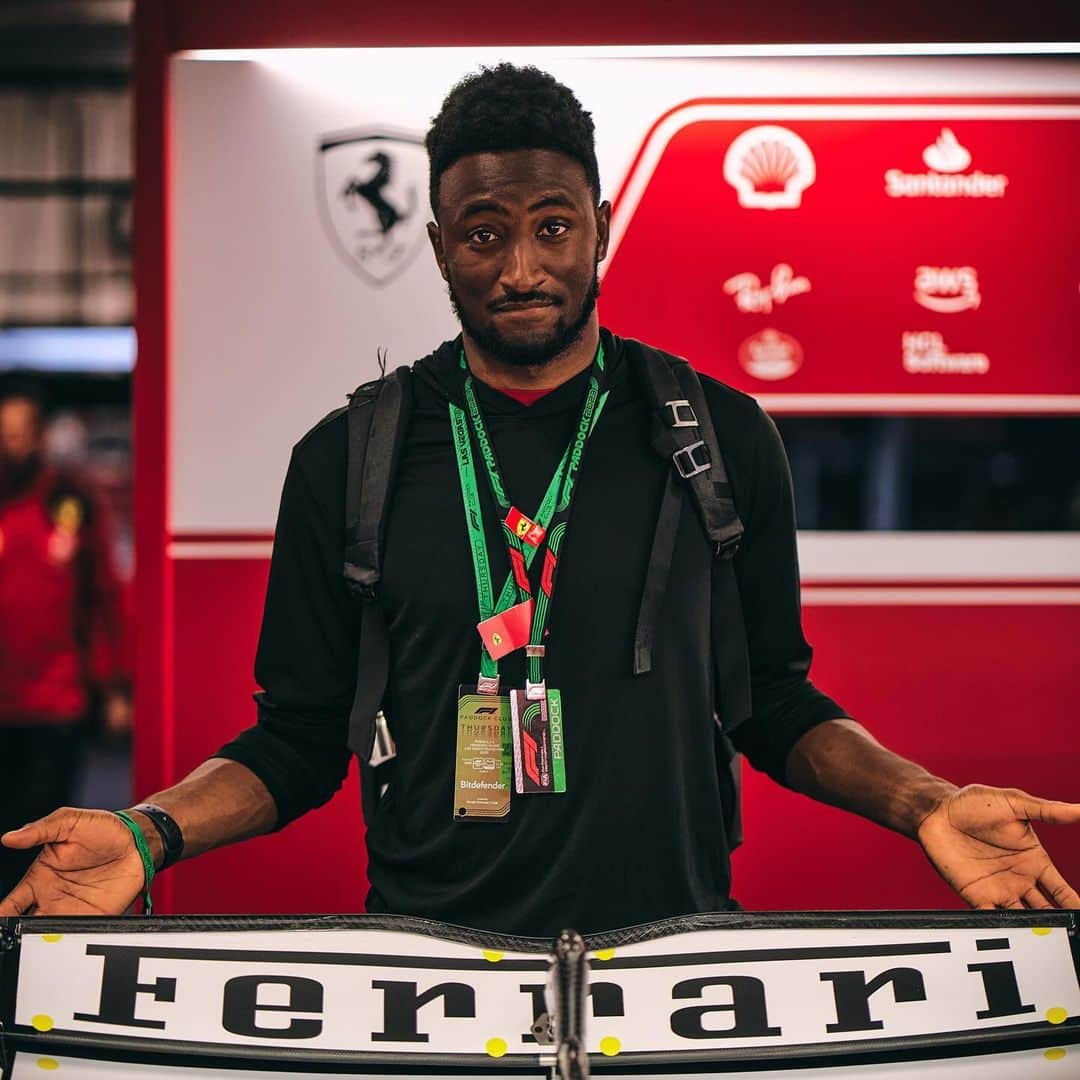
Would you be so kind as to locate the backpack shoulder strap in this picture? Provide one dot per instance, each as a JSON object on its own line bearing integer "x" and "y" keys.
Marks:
{"x": 686, "y": 435}
{"x": 683, "y": 431}
{"x": 378, "y": 416}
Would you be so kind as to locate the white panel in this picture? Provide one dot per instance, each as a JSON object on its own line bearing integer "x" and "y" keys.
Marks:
{"x": 929, "y": 557}
{"x": 270, "y": 325}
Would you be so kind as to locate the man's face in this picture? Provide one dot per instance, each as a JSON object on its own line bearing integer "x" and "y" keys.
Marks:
{"x": 20, "y": 432}
{"x": 518, "y": 240}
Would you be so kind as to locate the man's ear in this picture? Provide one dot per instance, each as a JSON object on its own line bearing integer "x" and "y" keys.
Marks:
{"x": 435, "y": 236}
{"x": 603, "y": 230}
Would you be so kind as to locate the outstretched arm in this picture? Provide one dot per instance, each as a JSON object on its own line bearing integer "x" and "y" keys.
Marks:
{"x": 291, "y": 761}
{"x": 88, "y": 863}
{"x": 979, "y": 839}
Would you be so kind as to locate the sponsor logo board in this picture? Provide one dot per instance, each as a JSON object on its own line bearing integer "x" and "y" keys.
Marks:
{"x": 871, "y": 260}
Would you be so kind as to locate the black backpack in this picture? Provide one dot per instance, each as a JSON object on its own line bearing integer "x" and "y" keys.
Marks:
{"x": 378, "y": 417}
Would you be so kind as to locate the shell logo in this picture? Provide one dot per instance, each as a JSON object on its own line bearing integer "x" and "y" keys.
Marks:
{"x": 770, "y": 355}
{"x": 769, "y": 167}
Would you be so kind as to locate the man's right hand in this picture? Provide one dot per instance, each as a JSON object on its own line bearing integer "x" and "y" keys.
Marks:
{"x": 88, "y": 865}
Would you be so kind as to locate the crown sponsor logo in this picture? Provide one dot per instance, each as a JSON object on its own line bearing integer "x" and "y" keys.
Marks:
{"x": 769, "y": 167}
{"x": 947, "y": 289}
{"x": 371, "y": 185}
{"x": 946, "y": 158}
{"x": 770, "y": 355}
{"x": 925, "y": 353}
{"x": 753, "y": 297}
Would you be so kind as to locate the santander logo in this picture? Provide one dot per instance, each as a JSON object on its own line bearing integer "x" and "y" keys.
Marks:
{"x": 769, "y": 167}
{"x": 946, "y": 158}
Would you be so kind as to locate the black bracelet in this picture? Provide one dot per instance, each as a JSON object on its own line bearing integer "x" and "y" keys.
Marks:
{"x": 172, "y": 839}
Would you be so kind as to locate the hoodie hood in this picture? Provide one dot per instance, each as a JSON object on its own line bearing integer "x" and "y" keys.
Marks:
{"x": 440, "y": 371}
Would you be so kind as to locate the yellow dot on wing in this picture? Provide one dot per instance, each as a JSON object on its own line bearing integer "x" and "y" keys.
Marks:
{"x": 610, "y": 1046}
{"x": 496, "y": 1047}
{"x": 604, "y": 954}
{"x": 51, "y": 938}
{"x": 1055, "y": 1053}
{"x": 1057, "y": 1015}
{"x": 492, "y": 955}
{"x": 41, "y": 1022}
{"x": 48, "y": 1064}
{"x": 1040, "y": 931}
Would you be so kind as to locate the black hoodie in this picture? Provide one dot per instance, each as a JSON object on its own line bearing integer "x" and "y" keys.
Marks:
{"x": 639, "y": 833}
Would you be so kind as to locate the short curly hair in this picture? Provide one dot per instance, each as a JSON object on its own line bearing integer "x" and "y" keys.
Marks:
{"x": 510, "y": 108}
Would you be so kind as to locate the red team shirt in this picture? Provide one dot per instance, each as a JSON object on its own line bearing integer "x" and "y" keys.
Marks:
{"x": 62, "y": 625}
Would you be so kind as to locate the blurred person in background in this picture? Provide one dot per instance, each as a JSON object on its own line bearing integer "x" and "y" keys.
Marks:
{"x": 62, "y": 622}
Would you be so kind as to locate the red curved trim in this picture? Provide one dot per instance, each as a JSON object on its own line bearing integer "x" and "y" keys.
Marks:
{"x": 848, "y": 100}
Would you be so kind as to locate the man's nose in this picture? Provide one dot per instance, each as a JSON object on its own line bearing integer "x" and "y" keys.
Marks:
{"x": 521, "y": 269}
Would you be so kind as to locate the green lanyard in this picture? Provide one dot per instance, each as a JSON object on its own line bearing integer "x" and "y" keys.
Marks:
{"x": 553, "y": 515}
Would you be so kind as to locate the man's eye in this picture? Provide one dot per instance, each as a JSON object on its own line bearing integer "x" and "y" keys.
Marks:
{"x": 481, "y": 236}
{"x": 554, "y": 228}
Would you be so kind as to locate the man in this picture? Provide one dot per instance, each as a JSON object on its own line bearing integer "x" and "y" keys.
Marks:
{"x": 61, "y": 621}
{"x": 638, "y": 833}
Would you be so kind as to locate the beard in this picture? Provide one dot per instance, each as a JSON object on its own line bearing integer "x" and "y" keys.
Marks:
{"x": 529, "y": 353}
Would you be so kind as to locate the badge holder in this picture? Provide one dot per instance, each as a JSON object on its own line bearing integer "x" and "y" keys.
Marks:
{"x": 484, "y": 755}
{"x": 537, "y": 731}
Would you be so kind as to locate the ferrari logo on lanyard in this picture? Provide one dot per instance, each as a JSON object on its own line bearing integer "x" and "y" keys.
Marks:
{"x": 524, "y": 528}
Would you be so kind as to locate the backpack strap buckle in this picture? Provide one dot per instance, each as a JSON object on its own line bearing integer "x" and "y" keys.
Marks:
{"x": 359, "y": 582}
{"x": 682, "y": 413}
{"x": 383, "y": 748}
{"x": 691, "y": 460}
{"x": 728, "y": 549}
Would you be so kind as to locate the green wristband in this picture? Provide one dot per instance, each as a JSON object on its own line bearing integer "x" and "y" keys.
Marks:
{"x": 144, "y": 853}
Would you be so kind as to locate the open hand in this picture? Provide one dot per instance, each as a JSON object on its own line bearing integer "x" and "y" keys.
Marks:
{"x": 88, "y": 865}
{"x": 980, "y": 839}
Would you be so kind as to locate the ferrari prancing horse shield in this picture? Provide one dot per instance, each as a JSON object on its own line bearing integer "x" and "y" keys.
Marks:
{"x": 372, "y": 186}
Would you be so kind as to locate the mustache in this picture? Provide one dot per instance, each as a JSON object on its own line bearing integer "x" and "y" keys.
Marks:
{"x": 535, "y": 297}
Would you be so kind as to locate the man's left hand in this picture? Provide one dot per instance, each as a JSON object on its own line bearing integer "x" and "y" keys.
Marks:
{"x": 980, "y": 839}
